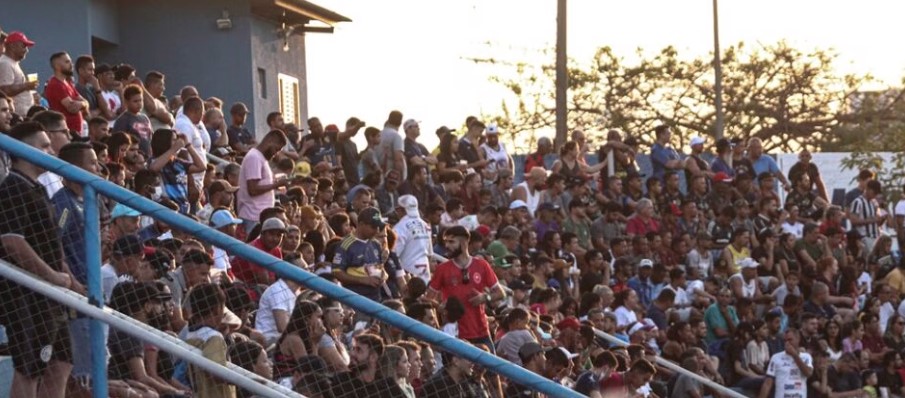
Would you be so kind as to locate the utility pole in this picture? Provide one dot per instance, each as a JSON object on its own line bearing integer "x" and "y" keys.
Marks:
{"x": 718, "y": 74}
{"x": 562, "y": 76}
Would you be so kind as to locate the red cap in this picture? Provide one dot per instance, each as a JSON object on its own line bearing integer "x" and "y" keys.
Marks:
{"x": 568, "y": 323}
{"x": 331, "y": 128}
{"x": 483, "y": 230}
{"x": 18, "y": 37}
{"x": 722, "y": 177}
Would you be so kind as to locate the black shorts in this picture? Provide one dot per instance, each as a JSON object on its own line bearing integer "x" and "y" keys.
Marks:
{"x": 37, "y": 328}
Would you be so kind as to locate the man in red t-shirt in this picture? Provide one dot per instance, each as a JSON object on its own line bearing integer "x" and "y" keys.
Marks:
{"x": 469, "y": 279}
{"x": 272, "y": 231}
{"x": 61, "y": 93}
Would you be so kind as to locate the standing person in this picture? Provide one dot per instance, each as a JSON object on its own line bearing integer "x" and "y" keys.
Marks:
{"x": 864, "y": 216}
{"x": 536, "y": 159}
{"x": 256, "y": 183}
{"x": 12, "y": 79}
{"x": 789, "y": 370}
{"x": 320, "y": 145}
{"x": 134, "y": 122}
{"x": 529, "y": 191}
{"x": 763, "y": 163}
{"x": 413, "y": 241}
{"x": 61, "y": 94}
{"x": 694, "y": 164}
{"x": 31, "y": 242}
{"x": 391, "y": 151}
{"x": 187, "y": 124}
{"x": 358, "y": 262}
{"x": 805, "y": 166}
{"x": 240, "y": 139}
{"x": 495, "y": 152}
{"x": 348, "y": 151}
{"x": 155, "y": 109}
{"x": 468, "y": 146}
{"x": 416, "y": 154}
{"x": 663, "y": 156}
{"x": 88, "y": 86}
{"x": 471, "y": 281}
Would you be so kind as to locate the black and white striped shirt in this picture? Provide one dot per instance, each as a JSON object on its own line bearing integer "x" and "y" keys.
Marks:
{"x": 865, "y": 208}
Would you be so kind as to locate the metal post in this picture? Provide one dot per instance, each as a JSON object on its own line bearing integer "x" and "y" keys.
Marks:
{"x": 718, "y": 74}
{"x": 562, "y": 76}
{"x": 95, "y": 291}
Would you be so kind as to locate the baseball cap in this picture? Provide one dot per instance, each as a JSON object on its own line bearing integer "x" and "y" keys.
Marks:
{"x": 747, "y": 262}
{"x": 121, "y": 210}
{"x": 697, "y": 140}
{"x": 548, "y": 206}
{"x": 443, "y": 130}
{"x": 238, "y": 109}
{"x": 409, "y": 123}
{"x": 223, "y": 217}
{"x": 371, "y": 216}
{"x": 638, "y": 326}
{"x": 273, "y": 224}
{"x": 722, "y": 177}
{"x": 646, "y": 263}
{"x": 569, "y": 323}
{"x": 483, "y": 230}
{"x": 723, "y": 143}
{"x": 493, "y": 129}
{"x": 301, "y": 169}
{"x": 519, "y": 284}
{"x": 18, "y": 37}
{"x": 410, "y": 204}
{"x": 221, "y": 186}
{"x": 529, "y": 349}
{"x": 129, "y": 245}
{"x": 517, "y": 204}
{"x": 331, "y": 128}
{"x": 498, "y": 250}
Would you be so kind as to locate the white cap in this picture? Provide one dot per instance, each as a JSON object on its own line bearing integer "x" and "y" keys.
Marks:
{"x": 747, "y": 262}
{"x": 518, "y": 203}
{"x": 568, "y": 354}
{"x": 409, "y": 123}
{"x": 410, "y": 204}
{"x": 493, "y": 129}
{"x": 645, "y": 263}
{"x": 697, "y": 140}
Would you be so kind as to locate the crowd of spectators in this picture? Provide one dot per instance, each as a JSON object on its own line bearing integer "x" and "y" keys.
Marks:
{"x": 792, "y": 298}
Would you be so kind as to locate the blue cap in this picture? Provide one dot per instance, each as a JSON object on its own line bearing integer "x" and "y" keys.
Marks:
{"x": 223, "y": 217}
{"x": 121, "y": 210}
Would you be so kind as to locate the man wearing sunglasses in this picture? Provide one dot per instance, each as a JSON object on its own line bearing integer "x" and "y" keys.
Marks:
{"x": 469, "y": 279}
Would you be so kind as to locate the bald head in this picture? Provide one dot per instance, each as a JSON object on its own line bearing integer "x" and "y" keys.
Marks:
{"x": 188, "y": 92}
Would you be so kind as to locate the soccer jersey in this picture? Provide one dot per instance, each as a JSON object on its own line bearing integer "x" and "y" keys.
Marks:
{"x": 448, "y": 279}
{"x": 361, "y": 258}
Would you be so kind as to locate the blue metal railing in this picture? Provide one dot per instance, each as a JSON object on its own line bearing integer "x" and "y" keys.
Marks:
{"x": 94, "y": 184}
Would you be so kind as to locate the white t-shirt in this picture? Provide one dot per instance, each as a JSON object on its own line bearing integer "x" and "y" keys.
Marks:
{"x": 682, "y": 297}
{"x": 113, "y": 102}
{"x": 277, "y": 297}
{"x": 51, "y": 182}
{"x": 221, "y": 260}
{"x": 413, "y": 246}
{"x": 185, "y": 126}
{"x": 900, "y": 209}
{"x": 787, "y": 378}
{"x": 390, "y": 143}
{"x": 625, "y": 316}
{"x": 109, "y": 280}
{"x": 11, "y": 73}
{"x": 796, "y": 229}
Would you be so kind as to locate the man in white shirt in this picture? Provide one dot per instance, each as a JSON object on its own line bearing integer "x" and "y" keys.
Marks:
{"x": 12, "y": 79}
{"x": 788, "y": 370}
{"x": 187, "y": 125}
{"x": 274, "y": 309}
{"x": 413, "y": 240}
{"x": 390, "y": 152}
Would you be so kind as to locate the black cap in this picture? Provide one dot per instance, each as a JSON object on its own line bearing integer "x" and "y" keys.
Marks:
{"x": 129, "y": 245}
{"x": 371, "y": 216}
{"x": 519, "y": 284}
{"x": 722, "y": 144}
{"x": 548, "y": 206}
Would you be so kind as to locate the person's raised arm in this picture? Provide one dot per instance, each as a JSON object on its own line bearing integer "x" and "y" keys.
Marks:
{"x": 197, "y": 163}
{"x": 161, "y": 161}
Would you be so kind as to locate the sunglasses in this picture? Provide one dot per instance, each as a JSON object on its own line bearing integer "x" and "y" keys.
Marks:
{"x": 465, "y": 279}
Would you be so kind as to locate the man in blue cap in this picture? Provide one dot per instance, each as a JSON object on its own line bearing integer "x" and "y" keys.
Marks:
{"x": 358, "y": 263}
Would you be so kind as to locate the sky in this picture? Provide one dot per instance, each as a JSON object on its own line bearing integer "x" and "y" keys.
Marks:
{"x": 416, "y": 56}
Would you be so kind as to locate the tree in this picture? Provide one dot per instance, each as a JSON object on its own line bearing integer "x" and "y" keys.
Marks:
{"x": 788, "y": 98}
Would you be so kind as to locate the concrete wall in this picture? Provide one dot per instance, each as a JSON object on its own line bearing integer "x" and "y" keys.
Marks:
{"x": 53, "y": 25}
{"x": 102, "y": 20}
{"x": 267, "y": 54}
{"x": 180, "y": 38}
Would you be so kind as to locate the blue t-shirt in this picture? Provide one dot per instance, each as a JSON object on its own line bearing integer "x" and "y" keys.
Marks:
{"x": 765, "y": 164}
{"x": 360, "y": 258}
{"x": 720, "y": 165}
{"x": 659, "y": 156}
{"x": 175, "y": 180}
{"x": 70, "y": 219}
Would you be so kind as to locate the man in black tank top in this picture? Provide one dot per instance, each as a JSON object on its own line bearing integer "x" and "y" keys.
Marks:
{"x": 694, "y": 165}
